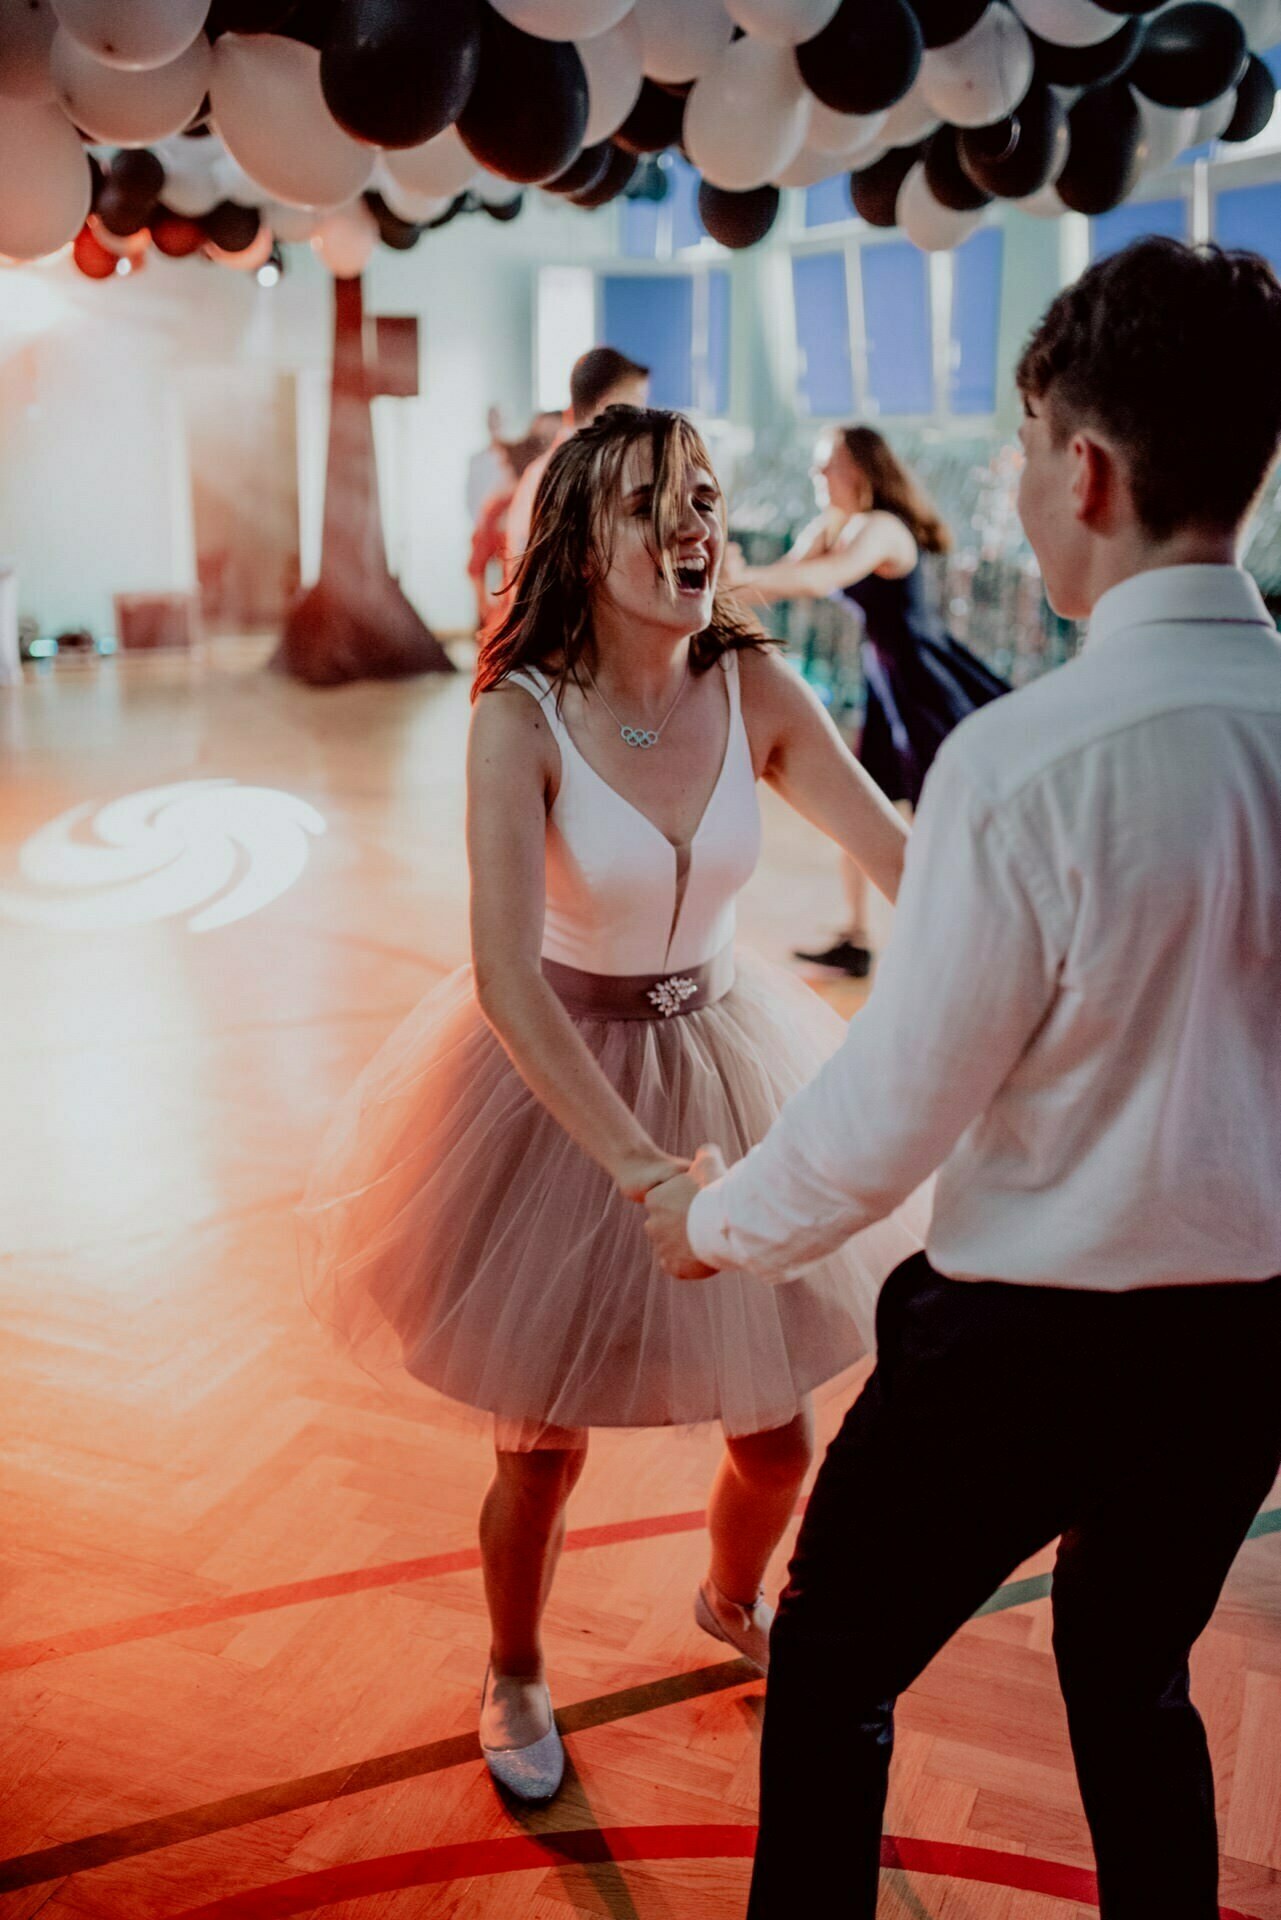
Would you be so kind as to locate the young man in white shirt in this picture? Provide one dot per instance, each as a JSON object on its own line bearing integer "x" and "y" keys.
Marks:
{"x": 1079, "y": 1023}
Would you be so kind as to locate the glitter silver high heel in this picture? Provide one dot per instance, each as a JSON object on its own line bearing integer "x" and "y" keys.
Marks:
{"x": 742, "y": 1627}
{"x": 531, "y": 1773}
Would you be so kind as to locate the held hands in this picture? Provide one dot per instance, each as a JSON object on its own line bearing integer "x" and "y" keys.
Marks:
{"x": 667, "y": 1208}
{"x": 641, "y": 1172}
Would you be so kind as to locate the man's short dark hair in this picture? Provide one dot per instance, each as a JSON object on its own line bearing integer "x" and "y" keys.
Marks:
{"x": 1173, "y": 353}
{"x": 596, "y": 373}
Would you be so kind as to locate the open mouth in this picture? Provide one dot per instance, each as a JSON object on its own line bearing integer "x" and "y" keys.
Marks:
{"x": 691, "y": 576}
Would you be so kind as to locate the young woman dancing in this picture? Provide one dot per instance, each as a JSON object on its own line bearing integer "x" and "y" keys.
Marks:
{"x": 476, "y": 1194}
{"x": 866, "y": 546}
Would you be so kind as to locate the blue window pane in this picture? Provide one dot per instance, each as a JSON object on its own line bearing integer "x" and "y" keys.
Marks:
{"x": 828, "y": 201}
{"x": 896, "y": 315}
{"x": 650, "y": 317}
{"x": 823, "y": 333}
{"x": 718, "y": 341}
{"x": 1135, "y": 221}
{"x": 687, "y": 228}
{"x": 976, "y": 319}
{"x": 1250, "y": 217}
{"x": 639, "y": 239}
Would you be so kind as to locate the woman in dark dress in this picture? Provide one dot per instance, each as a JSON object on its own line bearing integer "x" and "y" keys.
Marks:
{"x": 866, "y": 546}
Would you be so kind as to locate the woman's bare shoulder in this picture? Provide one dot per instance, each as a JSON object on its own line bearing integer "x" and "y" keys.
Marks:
{"x": 510, "y": 733}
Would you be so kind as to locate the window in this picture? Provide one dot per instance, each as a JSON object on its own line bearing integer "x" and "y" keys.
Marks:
{"x": 976, "y": 317}
{"x": 677, "y": 325}
{"x": 823, "y": 334}
{"x": 896, "y": 319}
{"x": 1250, "y": 217}
{"x": 828, "y": 201}
{"x": 1134, "y": 221}
{"x": 638, "y": 234}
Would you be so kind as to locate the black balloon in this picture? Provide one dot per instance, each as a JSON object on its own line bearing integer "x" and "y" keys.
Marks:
{"x": 1256, "y": 99}
{"x": 737, "y": 219}
{"x": 874, "y": 189}
{"x": 865, "y": 58}
{"x": 945, "y": 177}
{"x": 655, "y": 122}
{"x": 943, "y": 21}
{"x": 1016, "y": 157}
{"x": 528, "y": 109}
{"x": 506, "y": 209}
{"x": 395, "y": 72}
{"x": 622, "y": 165}
{"x": 1105, "y": 131}
{"x": 231, "y": 226}
{"x": 139, "y": 173}
{"x": 311, "y": 21}
{"x": 590, "y": 167}
{"x": 247, "y": 16}
{"x": 1125, "y": 6}
{"x": 394, "y": 232}
{"x": 1190, "y": 55}
{"x": 1090, "y": 66}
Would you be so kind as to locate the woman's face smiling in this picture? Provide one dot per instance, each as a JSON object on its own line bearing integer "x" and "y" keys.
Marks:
{"x": 635, "y": 586}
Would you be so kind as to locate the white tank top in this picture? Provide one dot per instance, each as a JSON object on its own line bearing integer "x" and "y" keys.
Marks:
{"x": 621, "y": 897}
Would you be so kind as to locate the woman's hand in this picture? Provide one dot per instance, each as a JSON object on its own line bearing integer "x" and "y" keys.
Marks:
{"x": 635, "y": 1175}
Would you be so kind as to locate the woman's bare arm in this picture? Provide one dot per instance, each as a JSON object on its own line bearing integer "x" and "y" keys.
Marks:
{"x": 511, "y": 771}
{"x": 802, "y": 756}
{"x": 882, "y": 540}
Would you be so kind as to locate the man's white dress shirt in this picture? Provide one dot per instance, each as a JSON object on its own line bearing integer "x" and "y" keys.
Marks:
{"x": 1078, "y": 1018}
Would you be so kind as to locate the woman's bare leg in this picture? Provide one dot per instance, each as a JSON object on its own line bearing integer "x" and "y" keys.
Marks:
{"x": 522, "y": 1528}
{"x": 753, "y": 1497}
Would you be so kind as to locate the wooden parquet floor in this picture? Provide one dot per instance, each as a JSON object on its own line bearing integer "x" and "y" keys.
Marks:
{"x": 241, "y": 1629}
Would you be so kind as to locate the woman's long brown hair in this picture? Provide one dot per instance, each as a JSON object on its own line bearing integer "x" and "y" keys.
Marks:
{"x": 549, "y": 620}
{"x": 895, "y": 490}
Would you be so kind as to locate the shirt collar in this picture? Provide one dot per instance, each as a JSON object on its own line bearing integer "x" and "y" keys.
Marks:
{"x": 1178, "y": 595}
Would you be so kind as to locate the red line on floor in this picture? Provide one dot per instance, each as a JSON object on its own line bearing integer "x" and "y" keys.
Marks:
{"x": 293, "y": 1593}
{"x": 592, "y": 1846}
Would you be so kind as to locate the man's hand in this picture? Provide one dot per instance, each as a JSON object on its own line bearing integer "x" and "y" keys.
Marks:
{"x": 667, "y": 1207}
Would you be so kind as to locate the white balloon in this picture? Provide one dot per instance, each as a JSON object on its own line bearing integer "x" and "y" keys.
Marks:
{"x": 133, "y": 33}
{"x": 27, "y": 28}
{"x": 345, "y": 239}
{"x": 1214, "y": 117}
{"x": 785, "y": 23}
{"x": 563, "y": 19}
{"x": 843, "y": 133}
{"x": 809, "y": 169}
{"x": 1068, "y": 23}
{"x": 403, "y": 201}
{"x": 494, "y": 190}
{"x": 982, "y": 76}
{"x": 1262, "y": 22}
{"x": 191, "y": 192}
{"x": 910, "y": 118}
{"x": 682, "y": 39}
{"x": 745, "y": 120}
{"x": 126, "y": 108}
{"x": 441, "y": 165}
{"x": 45, "y": 185}
{"x": 1166, "y": 131}
{"x": 290, "y": 224}
{"x": 614, "y": 68}
{"x": 926, "y": 222}
{"x": 271, "y": 114}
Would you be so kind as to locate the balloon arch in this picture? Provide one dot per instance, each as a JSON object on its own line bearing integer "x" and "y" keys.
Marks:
{"x": 243, "y": 124}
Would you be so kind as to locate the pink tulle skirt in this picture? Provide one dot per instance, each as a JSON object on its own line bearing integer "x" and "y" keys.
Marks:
{"x": 452, "y": 1228}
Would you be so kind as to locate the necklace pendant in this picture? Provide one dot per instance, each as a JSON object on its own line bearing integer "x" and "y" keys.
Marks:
{"x": 644, "y": 737}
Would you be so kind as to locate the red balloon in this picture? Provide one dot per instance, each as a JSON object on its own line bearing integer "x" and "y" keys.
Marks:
{"x": 92, "y": 257}
{"x": 175, "y": 236}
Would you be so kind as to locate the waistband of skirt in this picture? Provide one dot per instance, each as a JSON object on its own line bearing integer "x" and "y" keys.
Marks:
{"x": 640, "y": 996}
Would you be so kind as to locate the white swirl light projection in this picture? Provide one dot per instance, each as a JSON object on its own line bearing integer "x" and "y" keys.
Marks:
{"x": 210, "y": 848}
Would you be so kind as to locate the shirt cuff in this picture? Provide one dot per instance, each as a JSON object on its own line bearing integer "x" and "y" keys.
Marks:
{"x": 707, "y": 1226}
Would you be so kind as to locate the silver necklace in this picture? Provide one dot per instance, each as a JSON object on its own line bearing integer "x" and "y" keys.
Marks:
{"x": 644, "y": 737}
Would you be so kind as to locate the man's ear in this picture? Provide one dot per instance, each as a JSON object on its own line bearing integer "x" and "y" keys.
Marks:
{"x": 1094, "y": 481}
